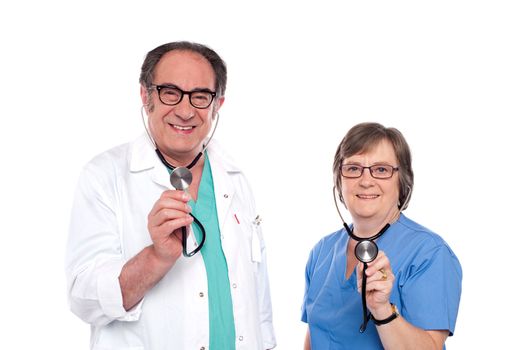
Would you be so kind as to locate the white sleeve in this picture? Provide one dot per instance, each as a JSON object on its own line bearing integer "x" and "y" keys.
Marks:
{"x": 94, "y": 256}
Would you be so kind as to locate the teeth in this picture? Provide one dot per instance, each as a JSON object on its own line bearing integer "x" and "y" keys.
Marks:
{"x": 367, "y": 196}
{"x": 182, "y": 127}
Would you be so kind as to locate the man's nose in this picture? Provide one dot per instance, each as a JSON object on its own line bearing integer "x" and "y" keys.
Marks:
{"x": 184, "y": 110}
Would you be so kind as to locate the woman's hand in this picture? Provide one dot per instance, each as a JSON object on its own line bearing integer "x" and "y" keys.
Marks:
{"x": 380, "y": 281}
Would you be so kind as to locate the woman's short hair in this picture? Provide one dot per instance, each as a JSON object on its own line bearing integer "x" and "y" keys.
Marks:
{"x": 362, "y": 138}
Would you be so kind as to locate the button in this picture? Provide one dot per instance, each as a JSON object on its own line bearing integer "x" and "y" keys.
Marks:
{"x": 241, "y": 338}
{"x": 234, "y": 285}
{"x": 202, "y": 348}
{"x": 225, "y": 195}
{"x": 201, "y": 294}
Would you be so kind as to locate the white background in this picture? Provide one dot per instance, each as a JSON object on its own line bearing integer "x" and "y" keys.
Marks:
{"x": 300, "y": 75}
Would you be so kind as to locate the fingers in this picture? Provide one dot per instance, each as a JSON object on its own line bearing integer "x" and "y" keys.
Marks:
{"x": 169, "y": 213}
{"x": 171, "y": 205}
{"x": 379, "y": 274}
{"x": 170, "y": 226}
{"x": 380, "y": 282}
{"x": 380, "y": 269}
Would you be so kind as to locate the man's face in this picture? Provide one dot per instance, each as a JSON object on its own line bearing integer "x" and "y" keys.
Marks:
{"x": 180, "y": 130}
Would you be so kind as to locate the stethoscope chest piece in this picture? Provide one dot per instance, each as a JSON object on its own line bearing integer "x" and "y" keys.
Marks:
{"x": 366, "y": 251}
{"x": 181, "y": 178}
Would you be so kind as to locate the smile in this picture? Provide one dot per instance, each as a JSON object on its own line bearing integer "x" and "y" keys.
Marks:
{"x": 367, "y": 196}
{"x": 181, "y": 128}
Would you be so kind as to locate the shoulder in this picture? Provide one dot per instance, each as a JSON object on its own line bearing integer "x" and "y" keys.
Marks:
{"x": 109, "y": 161}
{"x": 329, "y": 240}
{"x": 223, "y": 165}
{"x": 419, "y": 245}
{"x": 410, "y": 230}
{"x": 327, "y": 245}
{"x": 105, "y": 168}
{"x": 134, "y": 154}
{"x": 218, "y": 155}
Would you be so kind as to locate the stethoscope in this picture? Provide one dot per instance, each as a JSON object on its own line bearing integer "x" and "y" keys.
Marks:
{"x": 181, "y": 179}
{"x": 366, "y": 251}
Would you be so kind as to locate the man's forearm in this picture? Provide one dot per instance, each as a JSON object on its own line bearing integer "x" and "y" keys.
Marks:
{"x": 140, "y": 274}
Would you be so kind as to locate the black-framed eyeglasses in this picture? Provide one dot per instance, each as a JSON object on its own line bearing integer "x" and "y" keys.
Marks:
{"x": 171, "y": 95}
{"x": 378, "y": 171}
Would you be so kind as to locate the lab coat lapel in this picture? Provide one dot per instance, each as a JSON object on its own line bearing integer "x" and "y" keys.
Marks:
{"x": 144, "y": 158}
{"x": 224, "y": 191}
{"x": 160, "y": 175}
{"x": 223, "y": 186}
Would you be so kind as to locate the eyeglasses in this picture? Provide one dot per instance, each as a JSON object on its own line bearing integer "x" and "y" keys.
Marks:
{"x": 171, "y": 95}
{"x": 353, "y": 171}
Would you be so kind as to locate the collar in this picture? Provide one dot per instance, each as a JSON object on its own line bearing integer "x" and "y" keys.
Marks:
{"x": 143, "y": 157}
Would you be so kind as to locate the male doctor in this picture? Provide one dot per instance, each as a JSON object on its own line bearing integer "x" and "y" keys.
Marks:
{"x": 127, "y": 275}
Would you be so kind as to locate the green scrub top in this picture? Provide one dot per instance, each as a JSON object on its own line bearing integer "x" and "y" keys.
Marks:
{"x": 220, "y": 308}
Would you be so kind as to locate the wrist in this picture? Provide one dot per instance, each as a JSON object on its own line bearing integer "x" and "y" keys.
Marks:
{"x": 159, "y": 262}
{"x": 381, "y": 311}
{"x": 393, "y": 313}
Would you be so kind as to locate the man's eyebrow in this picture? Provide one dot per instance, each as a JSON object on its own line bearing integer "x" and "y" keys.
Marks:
{"x": 202, "y": 89}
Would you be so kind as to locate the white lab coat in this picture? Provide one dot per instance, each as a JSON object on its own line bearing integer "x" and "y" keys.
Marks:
{"x": 115, "y": 193}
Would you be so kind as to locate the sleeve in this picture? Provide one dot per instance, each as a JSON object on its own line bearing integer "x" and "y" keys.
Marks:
{"x": 308, "y": 270}
{"x": 94, "y": 256}
{"x": 431, "y": 293}
{"x": 310, "y": 266}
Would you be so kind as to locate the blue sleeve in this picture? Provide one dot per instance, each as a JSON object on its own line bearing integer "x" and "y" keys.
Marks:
{"x": 304, "y": 316}
{"x": 430, "y": 293}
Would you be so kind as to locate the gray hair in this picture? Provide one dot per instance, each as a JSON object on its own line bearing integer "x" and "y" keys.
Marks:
{"x": 153, "y": 57}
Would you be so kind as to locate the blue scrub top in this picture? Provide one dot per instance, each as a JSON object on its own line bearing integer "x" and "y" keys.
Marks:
{"x": 427, "y": 286}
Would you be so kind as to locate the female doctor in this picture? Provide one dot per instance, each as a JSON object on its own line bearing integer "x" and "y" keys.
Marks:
{"x": 413, "y": 285}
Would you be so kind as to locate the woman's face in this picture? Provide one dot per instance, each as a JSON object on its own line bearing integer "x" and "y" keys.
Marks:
{"x": 368, "y": 198}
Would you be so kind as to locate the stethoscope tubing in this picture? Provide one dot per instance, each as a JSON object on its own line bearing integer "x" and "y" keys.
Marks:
{"x": 172, "y": 168}
{"x": 370, "y": 242}
{"x": 184, "y": 239}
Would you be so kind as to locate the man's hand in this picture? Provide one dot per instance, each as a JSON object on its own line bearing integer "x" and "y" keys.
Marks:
{"x": 165, "y": 220}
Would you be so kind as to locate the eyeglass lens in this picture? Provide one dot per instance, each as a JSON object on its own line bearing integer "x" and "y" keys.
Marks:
{"x": 172, "y": 96}
{"x": 377, "y": 171}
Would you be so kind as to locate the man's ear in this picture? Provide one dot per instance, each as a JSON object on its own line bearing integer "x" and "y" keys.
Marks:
{"x": 144, "y": 95}
{"x": 217, "y": 105}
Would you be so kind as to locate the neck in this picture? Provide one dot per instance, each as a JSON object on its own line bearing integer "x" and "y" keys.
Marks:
{"x": 365, "y": 227}
{"x": 175, "y": 161}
